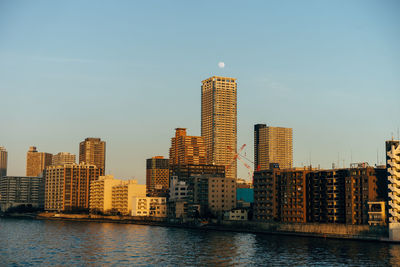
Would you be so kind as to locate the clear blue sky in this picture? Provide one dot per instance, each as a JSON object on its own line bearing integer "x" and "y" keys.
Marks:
{"x": 130, "y": 72}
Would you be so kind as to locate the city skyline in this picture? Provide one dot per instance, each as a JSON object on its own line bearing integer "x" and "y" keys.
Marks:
{"x": 332, "y": 76}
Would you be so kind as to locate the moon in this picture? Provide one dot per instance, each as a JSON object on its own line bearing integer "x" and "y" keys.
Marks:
{"x": 221, "y": 65}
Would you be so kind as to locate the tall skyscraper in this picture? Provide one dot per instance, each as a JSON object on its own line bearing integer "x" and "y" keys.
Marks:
{"x": 219, "y": 121}
{"x": 63, "y": 158}
{"x": 392, "y": 165}
{"x": 3, "y": 161}
{"x": 36, "y": 162}
{"x": 93, "y": 151}
{"x": 272, "y": 145}
{"x": 157, "y": 176}
{"x": 187, "y": 149}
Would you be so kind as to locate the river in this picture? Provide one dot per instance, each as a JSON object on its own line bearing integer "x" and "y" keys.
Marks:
{"x": 47, "y": 243}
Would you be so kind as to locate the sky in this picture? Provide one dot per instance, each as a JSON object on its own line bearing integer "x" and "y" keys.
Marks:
{"x": 130, "y": 72}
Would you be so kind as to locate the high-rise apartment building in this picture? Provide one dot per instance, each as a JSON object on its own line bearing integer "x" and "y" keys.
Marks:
{"x": 393, "y": 168}
{"x": 187, "y": 149}
{"x": 17, "y": 190}
{"x": 93, "y": 151}
{"x": 67, "y": 187}
{"x": 3, "y": 161}
{"x": 219, "y": 121}
{"x": 157, "y": 176}
{"x": 63, "y": 158}
{"x": 36, "y": 161}
{"x": 101, "y": 193}
{"x": 272, "y": 145}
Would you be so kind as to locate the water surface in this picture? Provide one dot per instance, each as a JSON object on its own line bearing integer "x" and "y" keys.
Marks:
{"x": 48, "y": 243}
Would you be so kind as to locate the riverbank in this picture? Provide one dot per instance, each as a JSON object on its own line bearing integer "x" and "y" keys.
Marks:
{"x": 333, "y": 231}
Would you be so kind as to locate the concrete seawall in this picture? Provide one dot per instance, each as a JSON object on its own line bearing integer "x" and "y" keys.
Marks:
{"x": 364, "y": 232}
{"x": 340, "y": 231}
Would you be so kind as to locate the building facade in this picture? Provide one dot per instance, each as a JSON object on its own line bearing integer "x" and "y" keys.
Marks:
{"x": 93, "y": 151}
{"x": 67, "y": 187}
{"x": 272, "y": 145}
{"x": 17, "y": 190}
{"x": 100, "y": 199}
{"x": 3, "y": 161}
{"x": 123, "y": 193}
{"x": 393, "y": 169}
{"x": 149, "y": 206}
{"x": 157, "y": 176}
{"x": 187, "y": 149}
{"x": 63, "y": 158}
{"x": 219, "y": 121}
{"x": 36, "y": 162}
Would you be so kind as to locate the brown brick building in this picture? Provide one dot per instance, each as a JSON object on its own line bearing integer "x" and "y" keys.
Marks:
{"x": 187, "y": 149}
{"x": 36, "y": 162}
{"x": 327, "y": 196}
{"x": 93, "y": 151}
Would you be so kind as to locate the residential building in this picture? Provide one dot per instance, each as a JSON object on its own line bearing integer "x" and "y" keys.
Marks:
{"x": 101, "y": 193}
{"x": 67, "y": 187}
{"x": 36, "y": 162}
{"x": 238, "y": 214}
{"x": 123, "y": 193}
{"x": 3, "y": 161}
{"x": 187, "y": 149}
{"x": 272, "y": 145}
{"x": 63, "y": 158}
{"x": 219, "y": 121}
{"x": 157, "y": 176}
{"x": 393, "y": 168}
{"x": 93, "y": 151}
{"x": 18, "y": 190}
{"x": 361, "y": 188}
{"x": 377, "y": 213}
{"x": 178, "y": 190}
{"x": 267, "y": 195}
{"x": 149, "y": 206}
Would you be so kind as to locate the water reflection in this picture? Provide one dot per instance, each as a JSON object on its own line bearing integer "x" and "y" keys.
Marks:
{"x": 48, "y": 243}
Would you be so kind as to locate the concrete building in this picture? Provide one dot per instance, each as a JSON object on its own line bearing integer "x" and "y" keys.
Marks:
{"x": 36, "y": 162}
{"x": 238, "y": 214}
{"x": 63, "y": 158}
{"x": 149, "y": 206}
{"x": 272, "y": 145}
{"x": 267, "y": 195}
{"x": 393, "y": 168}
{"x": 101, "y": 193}
{"x": 67, "y": 187}
{"x": 178, "y": 190}
{"x": 93, "y": 151}
{"x": 219, "y": 121}
{"x": 123, "y": 193}
{"x": 187, "y": 149}
{"x": 362, "y": 187}
{"x": 157, "y": 176}
{"x": 17, "y": 190}
{"x": 3, "y": 161}
{"x": 376, "y": 212}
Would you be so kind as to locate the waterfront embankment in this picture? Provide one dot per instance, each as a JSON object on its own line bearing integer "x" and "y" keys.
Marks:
{"x": 336, "y": 231}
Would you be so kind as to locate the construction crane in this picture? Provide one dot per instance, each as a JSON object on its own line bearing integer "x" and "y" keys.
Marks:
{"x": 240, "y": 157}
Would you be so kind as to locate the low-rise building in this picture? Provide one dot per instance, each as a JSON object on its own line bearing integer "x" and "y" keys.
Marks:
{"x": 237, "y": 215}
{"x": 376, "y": 213}
{"x": 122, "y": 195}
{"x": 101, "y": 193}
{"x": 21, "y": 190}
{"x": 149, "y": 206}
